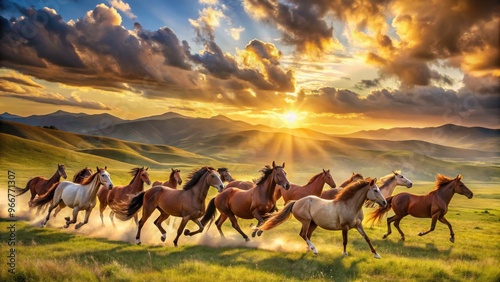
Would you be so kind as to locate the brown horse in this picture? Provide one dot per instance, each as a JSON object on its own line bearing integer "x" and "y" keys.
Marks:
{"x": 433, "y": 205}
{"x": 82, "y": 174}
{"x": 188, "y": 203}
{"x": 331, "y": 193}
{"x": 313, "y": 187}
{"x": 173, "y": 180}
{"x": 225, "y": 176}
{"x": 248, "y": 204}
{"x": 343, "y": 213}
{"x": 389, "y": 183}
{"x": 122, "y": 193}
{"x": 40, "y": 185}
{"x": 241, "y": 184}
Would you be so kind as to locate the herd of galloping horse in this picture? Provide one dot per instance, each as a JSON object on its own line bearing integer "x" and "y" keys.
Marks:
{"x": 337, "y": 208}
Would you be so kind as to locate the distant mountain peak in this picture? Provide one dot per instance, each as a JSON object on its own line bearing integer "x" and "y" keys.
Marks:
{"x": 8, "y": 115}
{"x": 221, "y": 117}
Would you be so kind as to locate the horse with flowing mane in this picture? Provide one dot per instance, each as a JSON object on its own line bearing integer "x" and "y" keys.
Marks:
{"x": 432, "y": 205}
{"x": 40, "y": 185}
{"x": 254, "y": 203}
{"x": 76, "y": 196}
{"x": 188, "y": 203}
{"x": 389, "y": 183}
{"x": 331, "y": 193}
{"x": 342, "y": 213}
{"x": 313, "y": 187}
{"x": 121, "y": 193}
{"x": 82, "y": 174}
{"x": 173, "y": 180}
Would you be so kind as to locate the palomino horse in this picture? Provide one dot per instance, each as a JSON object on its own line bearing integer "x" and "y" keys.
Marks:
{"x": 433, "y": 205}
{"x": 82, "y": 174}
{"x": 248, "y": 204}
{"x": 313, "y": 187}
{"x": 225, "y": 176}
{"x": 331, "y": 193}
{"x": 389, "y": 183}
{"x": 40, "y": 185}
{"x": 188, "y": 203}
{"x": 76, "y": 196}
{"x": 173, "y": 180}
{"x": 342, "y": 213}
{"x": 122, "y": 193}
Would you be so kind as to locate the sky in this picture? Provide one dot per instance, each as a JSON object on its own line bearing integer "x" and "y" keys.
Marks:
{"x": 334, "y": 66}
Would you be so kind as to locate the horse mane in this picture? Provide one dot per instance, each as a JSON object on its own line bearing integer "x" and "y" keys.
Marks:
{"x": 349, "y": 191}
{"x": 350, "y": 179}
{"x": 195, "y": 176}
{"x": 266, "y": 171}
{"x": 221, "y": 169}
{"x": 314, "y": 178}
{"x": 90, "y": 178}
{"x": 389, "y": 177}
{"x": 442, "y": 180}
{"x": 134, "y": 172}
{"x": 79, "y": 174}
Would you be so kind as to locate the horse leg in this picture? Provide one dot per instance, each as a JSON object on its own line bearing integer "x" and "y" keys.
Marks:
{"x": 200, "y": 229}
{"x": 48, "y": 214}
{"x": 304, "y": 231}
{"x": 102, "y": 207}
{"x": 59, "y": 208}
{"x": 433, "y": 224}
{"x": 163, "y": 216}
{"x": 445, "y": 221}
{"x": 396, "y": 224}
{"x": 136, "y": 219}
{"x": 256, "y": 215}
{"x": 363, "y": 233}
{"x": 146, "y": 213}
{"x": 219, "y": 222}
{"x": 344, "y": 239}
{"x": 181, "y": 228}
{"x": 73, "y": 220}
{"x": 86, "y": 220}
{"x": 235, "y": 225}
{"x": 112, "y": 216}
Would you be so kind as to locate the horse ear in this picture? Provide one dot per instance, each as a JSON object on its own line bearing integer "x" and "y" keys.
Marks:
{"x": 373, "y": 181}
{"x": 394, "y": 172}
{"x": 105, "y": 167}
{"x": 172, "y": 169}
{"x": 324, "y": 171}
{"x": 283, "y": 166}
{"x": 147, "y": 168}
{"x": 97, "y": 168}
{"x": 459, "y": 177}
{"x": 274, "y": 164}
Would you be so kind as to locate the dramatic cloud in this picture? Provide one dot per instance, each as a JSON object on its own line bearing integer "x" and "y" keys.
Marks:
{"x": 124, "y": 7}
{"x": 58, "y": 99}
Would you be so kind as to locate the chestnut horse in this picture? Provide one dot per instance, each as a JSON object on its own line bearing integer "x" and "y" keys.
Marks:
{"x": 188, "y": 203}
{"x": 331, "y": 193}
{"x": 433, "y": 205}
{"x": 225, "y": 176}
{"x": 173, "y": 180}
{"x": 313, "y": 187}
{"x": 389, "y": 183}
{"x": 342, "y": 213}
{"x": 82, "y": 174}
{"x": 40, "y": 185}
{"x": 122, "y": 193}
{"x": 76, "y": 196}
{"x": 248, "y": 204}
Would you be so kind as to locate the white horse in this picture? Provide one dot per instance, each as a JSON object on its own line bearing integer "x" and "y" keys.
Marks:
{"x": 389, "y": 183}
{"x": 76, "y": 196}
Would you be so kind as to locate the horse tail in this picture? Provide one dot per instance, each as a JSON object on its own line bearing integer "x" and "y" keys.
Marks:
{"x": 209, "y": 213}
{"x": 26, "y": 189}
{"x": 377, "y": 214}
{"x": 126, "y": 211}
{"x": 45, "y": 198}
{"x": 278, "y": 218}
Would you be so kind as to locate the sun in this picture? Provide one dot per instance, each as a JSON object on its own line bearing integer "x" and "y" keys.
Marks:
{"x": 290, "y": 118}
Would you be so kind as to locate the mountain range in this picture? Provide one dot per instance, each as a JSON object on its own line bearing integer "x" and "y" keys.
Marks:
{"x": 158, "y": 139}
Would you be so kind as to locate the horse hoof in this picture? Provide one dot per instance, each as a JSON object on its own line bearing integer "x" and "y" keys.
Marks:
{"x": 377, "y": 256}
{"x": 67, "y": 218}
{"x": 421, "y": 234}
{"x": 452, "y": 240}
{"x": 66, "y": 225}
{"x": 247, "y": 239}
{"x": 344, "y": 254}
{"x": 78, "y": 226}
{"x": 162, "y": 239}
{"x": 137, "y": 241}
{"x": 385, "y": 236}
{"x": 259, "y": 232}
{"x": 253, "y": 234}
{"x": 186, "y": 232}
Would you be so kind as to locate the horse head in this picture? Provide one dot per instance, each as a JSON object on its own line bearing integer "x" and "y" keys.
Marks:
{"x": 460, "y": 187}
{"x": 61, "y": 169}
{"x": 374, "y": 193}
{"x": 214, "y": 180}
{"x": 104, "y": 177}
{"x": 145, "y": 175}
{"x": 176, "y": 175}
{"x": 402, "y": 180}
{"x": 224, "y": 174}
{"x": 329, "y": 179}
{"x": 280, "y": 176}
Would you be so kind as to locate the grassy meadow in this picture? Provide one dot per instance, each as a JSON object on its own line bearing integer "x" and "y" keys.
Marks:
{"x": 96, "y": 253}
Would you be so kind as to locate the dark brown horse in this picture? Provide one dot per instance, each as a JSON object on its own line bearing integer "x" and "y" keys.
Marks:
{"x": 331, "y": 193}
{"x": 173, "y": 180}
{"x": 188, "y": 203}
{"x": 313, "y": 187}
{"x": 40, "y": 185}
{"x": 433, "y": 205}
{"x": 254, "y": 203}
{"x": 121, "y": 193}
{"x": 82, "y": 174}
